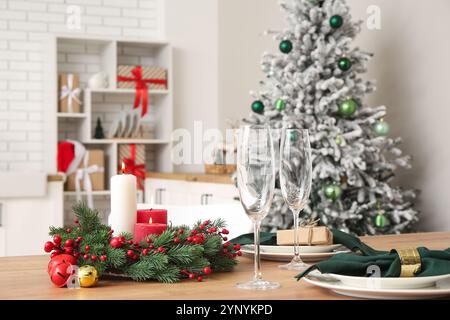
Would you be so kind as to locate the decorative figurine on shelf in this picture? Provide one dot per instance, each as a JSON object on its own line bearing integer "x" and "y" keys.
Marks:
{"x": 99, "y": 134}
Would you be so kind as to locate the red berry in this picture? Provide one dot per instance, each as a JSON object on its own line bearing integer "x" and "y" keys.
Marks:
{"x": 69, "y": 243}
{"x": 151, "y": 247}
{"x": 48, "y": 247}
{"x": 54, "y": 254}
{"x": 115, "y": 243}
{"x": 225, "y": 250}
{"x": 225, "y": 239}
{"x": 237, "y": 247}
{"x": 57, "y": 240}
{"x": 87, "y": 248}
{"x": 226, "y": 244}
{"x": 57, "y": 251}
{"x": 209, "y": 230}
{"x": 94, "y": 257}
{"x": 207, "y": 270}
{"x": 130, "y": 241}
{"x": 75, "y": 221}
{"x": 122, "y": 239}
{"x": 76, "y": 254}
{"x": 135, "y": 257}
{"x": 176, "y": 240}
{"x": 239, "y": 253}
{"x": 136, "y": 243}
{"x": 191, "y": 275}
{"x": 183, "y": 271}
{"x": 225, "y": 231}
{"x": 103, "y": 258}
{"x": 130, "y": 253}
{"x": 189, "y": 239}
{"x": 68, "y": 250}
{"x": 200, "y": 279}
{"x": 86, "y": 257}
{"x": 148, "y": 240}
{"x": 193, "y": 232}
{"x": 201, "y": 227}
{"x": 180, "y": 231}
{"x": 213, "y": 229}
{"x": 144, "y": 252}
{"x": 68, "y": 230}
{"x": 161, "y": 249}
{"x": 206, "y": 222}
{"x": 79, "y": 239}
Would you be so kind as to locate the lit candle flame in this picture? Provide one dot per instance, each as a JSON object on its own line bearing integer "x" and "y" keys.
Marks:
{"x": 123, "y": 167}
{"x": 150, "y": 220}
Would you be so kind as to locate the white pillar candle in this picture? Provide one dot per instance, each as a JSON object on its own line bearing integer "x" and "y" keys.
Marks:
{"x": 123, "y": 203}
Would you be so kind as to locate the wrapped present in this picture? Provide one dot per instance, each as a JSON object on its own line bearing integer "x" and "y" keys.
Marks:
{"x": 308, "y": 235}
{"x": 142, "y": 79}
{"x": 132, "y": 161}
{"x": 70, "y": 92}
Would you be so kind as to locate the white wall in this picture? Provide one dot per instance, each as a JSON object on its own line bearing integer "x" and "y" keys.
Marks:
{"x": 24, "y": 27}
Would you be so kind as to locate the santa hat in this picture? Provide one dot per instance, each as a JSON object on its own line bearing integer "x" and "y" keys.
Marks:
{"x": 70, "y": 155}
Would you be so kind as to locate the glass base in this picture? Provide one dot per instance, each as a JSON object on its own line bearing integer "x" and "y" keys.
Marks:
{"x": 258, "y": 285}
{"x": 295, "y": 265}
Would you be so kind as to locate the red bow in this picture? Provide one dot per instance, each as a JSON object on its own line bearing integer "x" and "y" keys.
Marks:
{"x": 129, "y": 166}
{"x": 141, "y": 88}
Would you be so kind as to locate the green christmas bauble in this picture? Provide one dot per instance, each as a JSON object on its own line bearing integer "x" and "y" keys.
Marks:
{"x": 381, "y": 221}
{"x": 336, "y": 21}
{"x": 333, "y": 192}
{"x": 258, "y": 107}
{"x": 344, "y": 64}
{"x": 348, "y": 107}
{"x": 286, "y": 46}
{"x": 293, "y": 136}
{"x": 280, "y": 105}
{"x": 381, "y": 128}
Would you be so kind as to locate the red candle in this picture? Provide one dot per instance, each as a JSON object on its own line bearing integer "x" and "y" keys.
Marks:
{"x": 142, "y": 230}
{"x": 157, "y": 216}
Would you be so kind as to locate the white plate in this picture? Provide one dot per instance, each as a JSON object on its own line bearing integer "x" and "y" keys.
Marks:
{"x": 303, "y": 249}
{"x": 441, "y": 289}
{"x": 389, "y": 283}
{"x": 248, "y": 251}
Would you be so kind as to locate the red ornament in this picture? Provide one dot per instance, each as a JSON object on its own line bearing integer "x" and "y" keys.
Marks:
{"x": 161, "y": 249}
{"x": 94, "y": 257}
{"x": 57, "y": 240}
{"x": 176, "y": 240}
{"x": 68, "y": 230}
{"x": 48, "y": 247}
{"x": 207, "y": 270}
{"x": 87, "y": 248}
{"x": 59, "y": 274}
{"x": 199, "y": 278}
{"x": 68, "y": 250}
{"x": 191, "y": 275}
{"x": 103, "y": 258}
{"x": 130, "y": 253}
{"x": 58, "y": 259}
{"x": 115, "y": 243}
{"x": 69, "y": 243}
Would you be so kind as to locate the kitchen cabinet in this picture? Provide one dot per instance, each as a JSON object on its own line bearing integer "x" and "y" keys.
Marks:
{"x": 25, "y": 221}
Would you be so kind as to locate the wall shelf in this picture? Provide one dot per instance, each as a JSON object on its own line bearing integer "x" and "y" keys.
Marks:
{"x": 71, "y": 115}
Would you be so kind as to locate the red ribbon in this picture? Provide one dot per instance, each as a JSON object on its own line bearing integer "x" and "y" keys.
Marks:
{"x": 130, "y": 167}
{"x": 141, "y": 88}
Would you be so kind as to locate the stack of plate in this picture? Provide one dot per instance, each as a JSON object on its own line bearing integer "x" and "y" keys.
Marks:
{"x": 308, "y": 254}
{"x": 382, "y": 288}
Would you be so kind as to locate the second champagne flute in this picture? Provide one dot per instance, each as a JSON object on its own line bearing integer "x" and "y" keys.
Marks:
{"x": 295, "y": 181}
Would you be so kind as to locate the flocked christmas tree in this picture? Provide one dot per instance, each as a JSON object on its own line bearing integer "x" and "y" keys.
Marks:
{"x": 314, "y": 82}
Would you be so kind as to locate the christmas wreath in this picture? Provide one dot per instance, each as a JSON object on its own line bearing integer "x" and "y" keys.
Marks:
{"x": 178, "y": 253}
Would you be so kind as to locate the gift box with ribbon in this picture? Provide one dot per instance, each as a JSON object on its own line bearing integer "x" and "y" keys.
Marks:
{"x": 141, "y": 79}
{"x": 70, "y": 92}
{"x": 309, "y": 234}
{"x": 89, "y": 176}
{"x": 132, "y": 161}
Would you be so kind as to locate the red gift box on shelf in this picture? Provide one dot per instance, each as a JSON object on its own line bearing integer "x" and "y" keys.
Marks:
{"x": 132, "y": 161}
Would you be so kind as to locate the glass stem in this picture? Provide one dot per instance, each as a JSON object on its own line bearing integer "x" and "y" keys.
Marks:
{"x": 297, "y": 258}
{"x": 257, "y": 271}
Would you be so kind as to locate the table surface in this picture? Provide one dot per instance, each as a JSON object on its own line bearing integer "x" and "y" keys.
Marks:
{"x": 26, "y": 278}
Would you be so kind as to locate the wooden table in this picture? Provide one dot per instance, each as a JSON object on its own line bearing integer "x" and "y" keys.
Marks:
{"x": 26, "y": 278}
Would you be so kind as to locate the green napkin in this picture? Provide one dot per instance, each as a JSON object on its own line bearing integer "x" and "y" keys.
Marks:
{"x": 434, "y": 262}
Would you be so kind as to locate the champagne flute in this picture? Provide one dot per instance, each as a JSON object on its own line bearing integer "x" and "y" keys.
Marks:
{"x": 256, "y": 184}
{"x": 295, "y": 181}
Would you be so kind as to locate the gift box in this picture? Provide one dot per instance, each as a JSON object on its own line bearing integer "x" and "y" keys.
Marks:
{"x": 154, "y": 77}
{"x": 69, "y": 93}
{"x": 132, "y": 161}
{"x": 307, "y": 236}
{"x": 90, "y": 175}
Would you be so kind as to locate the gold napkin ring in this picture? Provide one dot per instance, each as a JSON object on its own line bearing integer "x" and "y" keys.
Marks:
{"x": 410, "y": 262}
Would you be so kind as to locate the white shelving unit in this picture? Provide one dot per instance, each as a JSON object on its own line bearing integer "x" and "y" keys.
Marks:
{"x": 86, "y": 56}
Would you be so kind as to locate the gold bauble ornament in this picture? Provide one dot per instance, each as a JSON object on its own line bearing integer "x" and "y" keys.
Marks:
{"x": 88, "y": 276}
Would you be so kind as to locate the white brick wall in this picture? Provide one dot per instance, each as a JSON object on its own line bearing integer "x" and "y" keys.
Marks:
{"x": 24, "y": 25}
